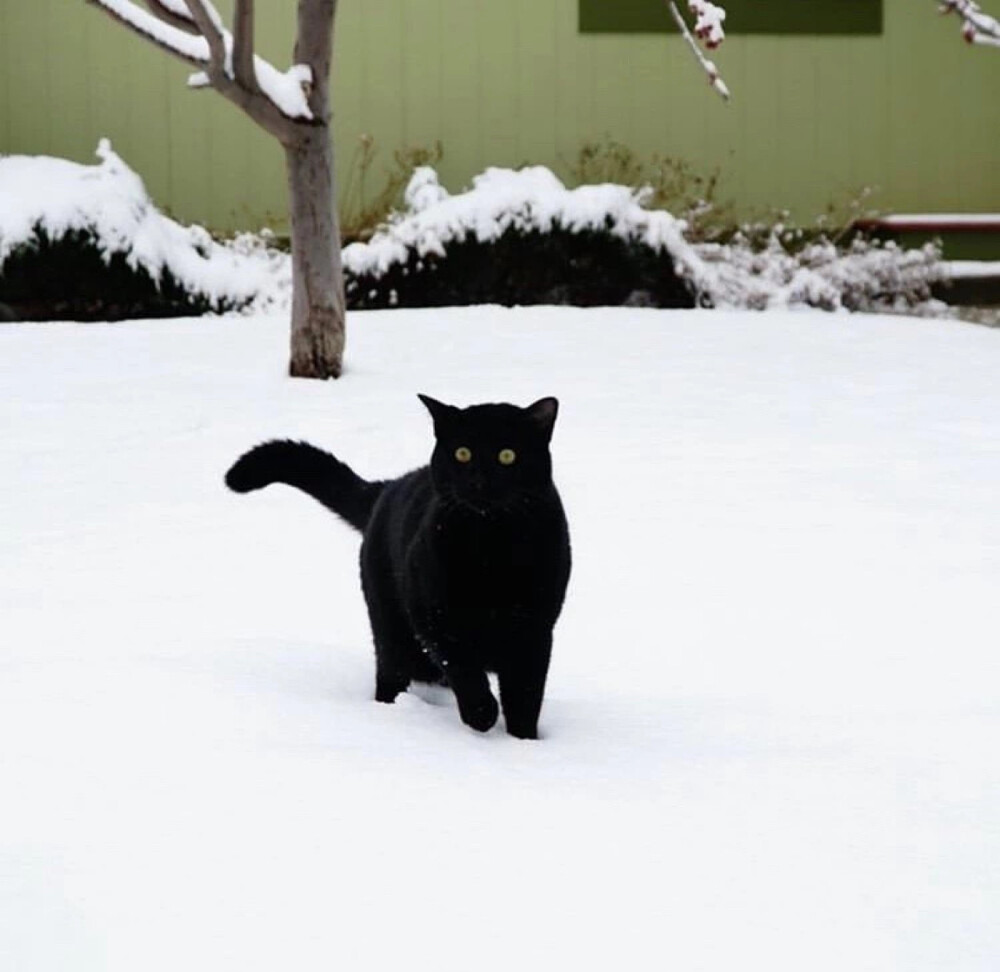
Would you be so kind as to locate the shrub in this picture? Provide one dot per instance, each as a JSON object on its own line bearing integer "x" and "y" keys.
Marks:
{"x": 86, "y": 243}
{"x": 68, "y": 279}
{"x": 586, "y": 268}
{"x": 521, "y": 237}
{"x": 865, "y": 275}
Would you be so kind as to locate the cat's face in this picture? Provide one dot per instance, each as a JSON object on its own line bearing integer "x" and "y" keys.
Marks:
{"x": 491, "y": 456}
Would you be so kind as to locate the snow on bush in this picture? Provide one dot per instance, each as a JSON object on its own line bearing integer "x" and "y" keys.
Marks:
{"x": 53, "y": 199}
{"x": 515, "y": 236}
{"x": 521, "y": 237}
{"x": 867, "y": 275}
{"x": 524, "y": 200}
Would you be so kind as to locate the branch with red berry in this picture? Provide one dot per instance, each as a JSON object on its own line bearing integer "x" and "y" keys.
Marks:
{"x": 708, "y": 29}
{"x": 977, "y": 27}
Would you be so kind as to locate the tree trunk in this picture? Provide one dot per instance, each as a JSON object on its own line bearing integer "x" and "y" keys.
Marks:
{"x": 317, "y": 280}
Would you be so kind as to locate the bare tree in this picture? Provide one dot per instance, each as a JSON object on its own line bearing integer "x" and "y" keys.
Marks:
{"x": 977, "y": 27}
{"x": 294, "y": 107}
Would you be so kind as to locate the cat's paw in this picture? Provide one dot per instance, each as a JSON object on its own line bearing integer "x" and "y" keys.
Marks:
{"x": 522, "y": 730}
{"x": 480, "y": 715}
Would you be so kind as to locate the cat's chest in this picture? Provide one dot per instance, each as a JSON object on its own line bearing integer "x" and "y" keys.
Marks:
{"x": 477, "y": 549}
{"x": 487, "y": 561}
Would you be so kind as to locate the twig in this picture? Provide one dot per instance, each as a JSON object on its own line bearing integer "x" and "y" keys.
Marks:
{"x": 977, "y": 27}
{"x": 211, "y": 30}
{"x": 707, "y": 66}
{"x": 243, "y": 67}
{"x": 193, "y": 31}
{"x": 173, "y": 13}
{"x": 165, "y": 35}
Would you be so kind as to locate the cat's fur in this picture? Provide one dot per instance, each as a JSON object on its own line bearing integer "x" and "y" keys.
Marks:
{"x": 464, "y": 565}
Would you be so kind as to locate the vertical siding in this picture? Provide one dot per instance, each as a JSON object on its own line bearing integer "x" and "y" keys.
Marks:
{"x": 915, "y": 112}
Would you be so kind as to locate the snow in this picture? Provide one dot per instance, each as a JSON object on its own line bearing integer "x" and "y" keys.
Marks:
{"x": 531, "y": 199}
{"x": 708, "y": 27}
{"x": 708, "y": 22}
{"x": 287, "y": 90}
{"x": 193, "y": 47}
{"x": 938, "y": 221}
{"x": 954, "y": 269}
{"x": 977, "y": 27}
{"x": 109, "y": 201}
{"x": 732, "y": 275}
{"x": 770, "y": 730}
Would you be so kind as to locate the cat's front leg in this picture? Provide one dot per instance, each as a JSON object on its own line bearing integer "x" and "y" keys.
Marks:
{"x": 463, "y": 670}
{"x": 522, "y": 683}
{"x": 476, "y": 704}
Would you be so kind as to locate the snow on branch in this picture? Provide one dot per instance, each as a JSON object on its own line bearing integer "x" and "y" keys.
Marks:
{"x": 210, "y": 27}
{"x": 174, "y": 13}
{"x": 977, "y": 27}
{"x": 193, "y": 31}
{"x": 708, "y": 28}
{"x": 708, "y": 22}
{"x": 162, "y": 31}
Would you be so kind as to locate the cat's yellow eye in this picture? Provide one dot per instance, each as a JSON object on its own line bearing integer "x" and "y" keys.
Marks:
{"x": 462, "y": 454}
{"x": 507, "y": 457}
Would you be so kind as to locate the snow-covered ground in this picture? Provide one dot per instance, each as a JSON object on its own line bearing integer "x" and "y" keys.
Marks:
{"x": 772, "y": 723}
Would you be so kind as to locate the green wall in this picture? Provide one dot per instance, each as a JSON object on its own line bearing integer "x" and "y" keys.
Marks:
{"x": 913, "y": 112}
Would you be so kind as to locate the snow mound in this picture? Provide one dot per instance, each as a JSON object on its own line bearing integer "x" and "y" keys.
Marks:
{"x": 525, "y": 200}
{"x": 739, "y": 274}
{"x": 109, "y": 203}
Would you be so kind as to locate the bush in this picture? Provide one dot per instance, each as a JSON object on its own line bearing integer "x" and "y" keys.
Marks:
{"x": 521, "y": 237}
{"x": 587, "y": 269}
{"x": 69, "y": 279}
{"x": 85, "y": 242}
{"x": 863, "y": 275}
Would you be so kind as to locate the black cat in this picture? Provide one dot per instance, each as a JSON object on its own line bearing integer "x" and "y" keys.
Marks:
{"x": 464, "y": 562}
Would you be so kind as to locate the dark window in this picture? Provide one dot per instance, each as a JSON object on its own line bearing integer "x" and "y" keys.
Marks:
{"x": 742, "y": 16}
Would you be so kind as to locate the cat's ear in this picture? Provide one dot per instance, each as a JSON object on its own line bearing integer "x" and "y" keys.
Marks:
{"x": 543, "y": 415}
{"x": 439, "y": 411}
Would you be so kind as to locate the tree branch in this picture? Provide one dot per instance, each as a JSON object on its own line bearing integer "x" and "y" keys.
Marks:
{"x": 977, "y": 27}
{"x": 314, "y": 48}
{"x": 243, "y": 67}
{"x": 707, "y": 66}
{"x": 174, "y": 40}
{"x": 261, "y": 109}
{"x": 278, "y": 102}
{"x": 169, "y": 13}
{"x": 211, "y": 30}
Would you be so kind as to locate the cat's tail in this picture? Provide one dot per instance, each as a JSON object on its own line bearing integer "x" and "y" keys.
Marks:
{"x": 322, "y": 476}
